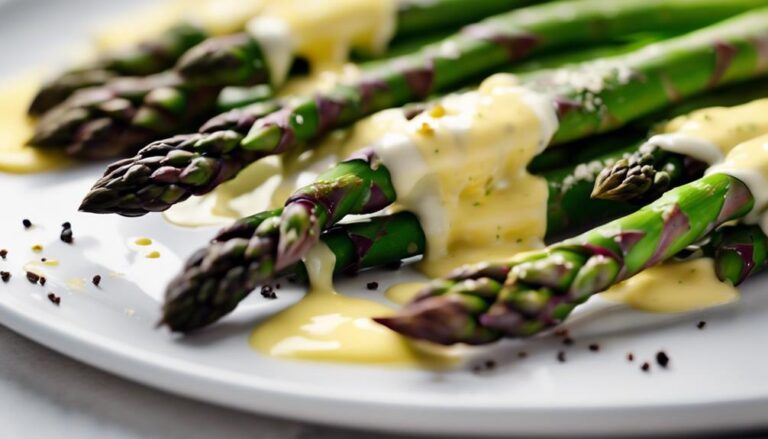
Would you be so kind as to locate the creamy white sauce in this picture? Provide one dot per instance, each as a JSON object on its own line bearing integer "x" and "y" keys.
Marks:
{"x": 749, "y": 163}
{"x": 710, "y": 133}
{"x": 462, "y": 170}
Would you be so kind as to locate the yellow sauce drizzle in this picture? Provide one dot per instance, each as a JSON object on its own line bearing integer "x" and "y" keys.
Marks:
{"x": 404, "y": 292}
{"x": 215, "y": 16}
{"x": 34, "y": 267}
{"x": 152, "y": 255}
{"x": 51, "y": 262}
{"x": 76, "y": 283}
{"x": 143, "y": 241}
{"x": 674, "y": 287}
{"x": 725, "y": 127}
{"x": 323, "y": 35}
{"x": 328, "y": 326}
{"x": 476, "y": 201}
{"x": 37, "y": 248}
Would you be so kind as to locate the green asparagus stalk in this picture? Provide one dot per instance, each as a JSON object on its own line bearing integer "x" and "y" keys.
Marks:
{"x": 739, "y": 252}
{"x": 628, "y": 87}
{"x": 146, "y": 58}
{"x": 233, "y": 60}
{"x": 591, "y": 148}
{"x": 218, "y": 277}
{"x": 538, "y": 290}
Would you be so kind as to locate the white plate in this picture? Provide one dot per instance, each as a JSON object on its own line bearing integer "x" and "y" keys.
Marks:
{"x": 717, "y": 379}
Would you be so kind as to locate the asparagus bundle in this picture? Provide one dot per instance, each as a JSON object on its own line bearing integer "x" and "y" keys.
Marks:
{"x": 568, "y": 206}
{"x": 538, "y": 290}
{"x": 148, "y": 57}
{"x": 171, "y": 170}
{"x": 122, "y": 114}
{"x": 243, "y": 255}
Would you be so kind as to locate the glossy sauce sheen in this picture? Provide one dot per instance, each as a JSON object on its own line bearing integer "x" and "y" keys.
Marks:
{"x": 462, "y": 166}
{"x": 328, "y": 326}
{"x": 674, "y": 287}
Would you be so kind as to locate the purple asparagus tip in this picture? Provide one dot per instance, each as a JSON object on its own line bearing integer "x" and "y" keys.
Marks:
{"x": 439, "y": 320}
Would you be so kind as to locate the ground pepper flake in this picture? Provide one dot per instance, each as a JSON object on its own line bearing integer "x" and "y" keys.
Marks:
{"x": 96, "y": 280}
{"x": 32, "y": 277}
{"x": 662, "y": 359}
{"x": 3, "y": 253}
{"x": 594, "y": 347}
{"x": 268, "y": 292}
{"x": 701, "y": 324}
{"x": 56, "y": 300}
{"x": 5, "y": 276}
{"x": 66, "y": 233}
{"x": 561, "y": 356}
{"x": 645, "y": 367}
{"x": 630, "y": 357}
{"x": 522, "y": 354}
{"x": 568, "y": 341}
{"x": 26, "y": 223}
{"x": 43, "y": 280}
{"x": 372, "y": 286}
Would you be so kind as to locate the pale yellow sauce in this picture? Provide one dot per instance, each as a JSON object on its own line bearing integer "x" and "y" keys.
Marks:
{"x": 35, "y": 267}
{"x": 143, "y": 241}
{"x": 710, "y": 133}
{"x": 16, "y": 129}
{"x": 468, "y": 182}
{"x": 404, "y": 292}
{"x": 328, "y": 326}
{"x": 75, "y": 283}
{"x": 674, "y": 287}
{"x": 321, "y": 33}
{"x": 51, "y": 262}
{"x": 152, "y": 255}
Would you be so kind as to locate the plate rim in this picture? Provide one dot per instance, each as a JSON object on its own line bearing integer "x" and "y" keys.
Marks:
{"x": 181, "y": 377}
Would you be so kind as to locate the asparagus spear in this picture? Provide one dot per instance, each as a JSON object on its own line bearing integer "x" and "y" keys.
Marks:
{"x": 349, "y": 183}
{"x": 538, "y": 290}
{"x": 218, "y": 277}
{"x": 688, "y": 65}
{"x": 148, "y": 57}
{"x": 234, "y": 60}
